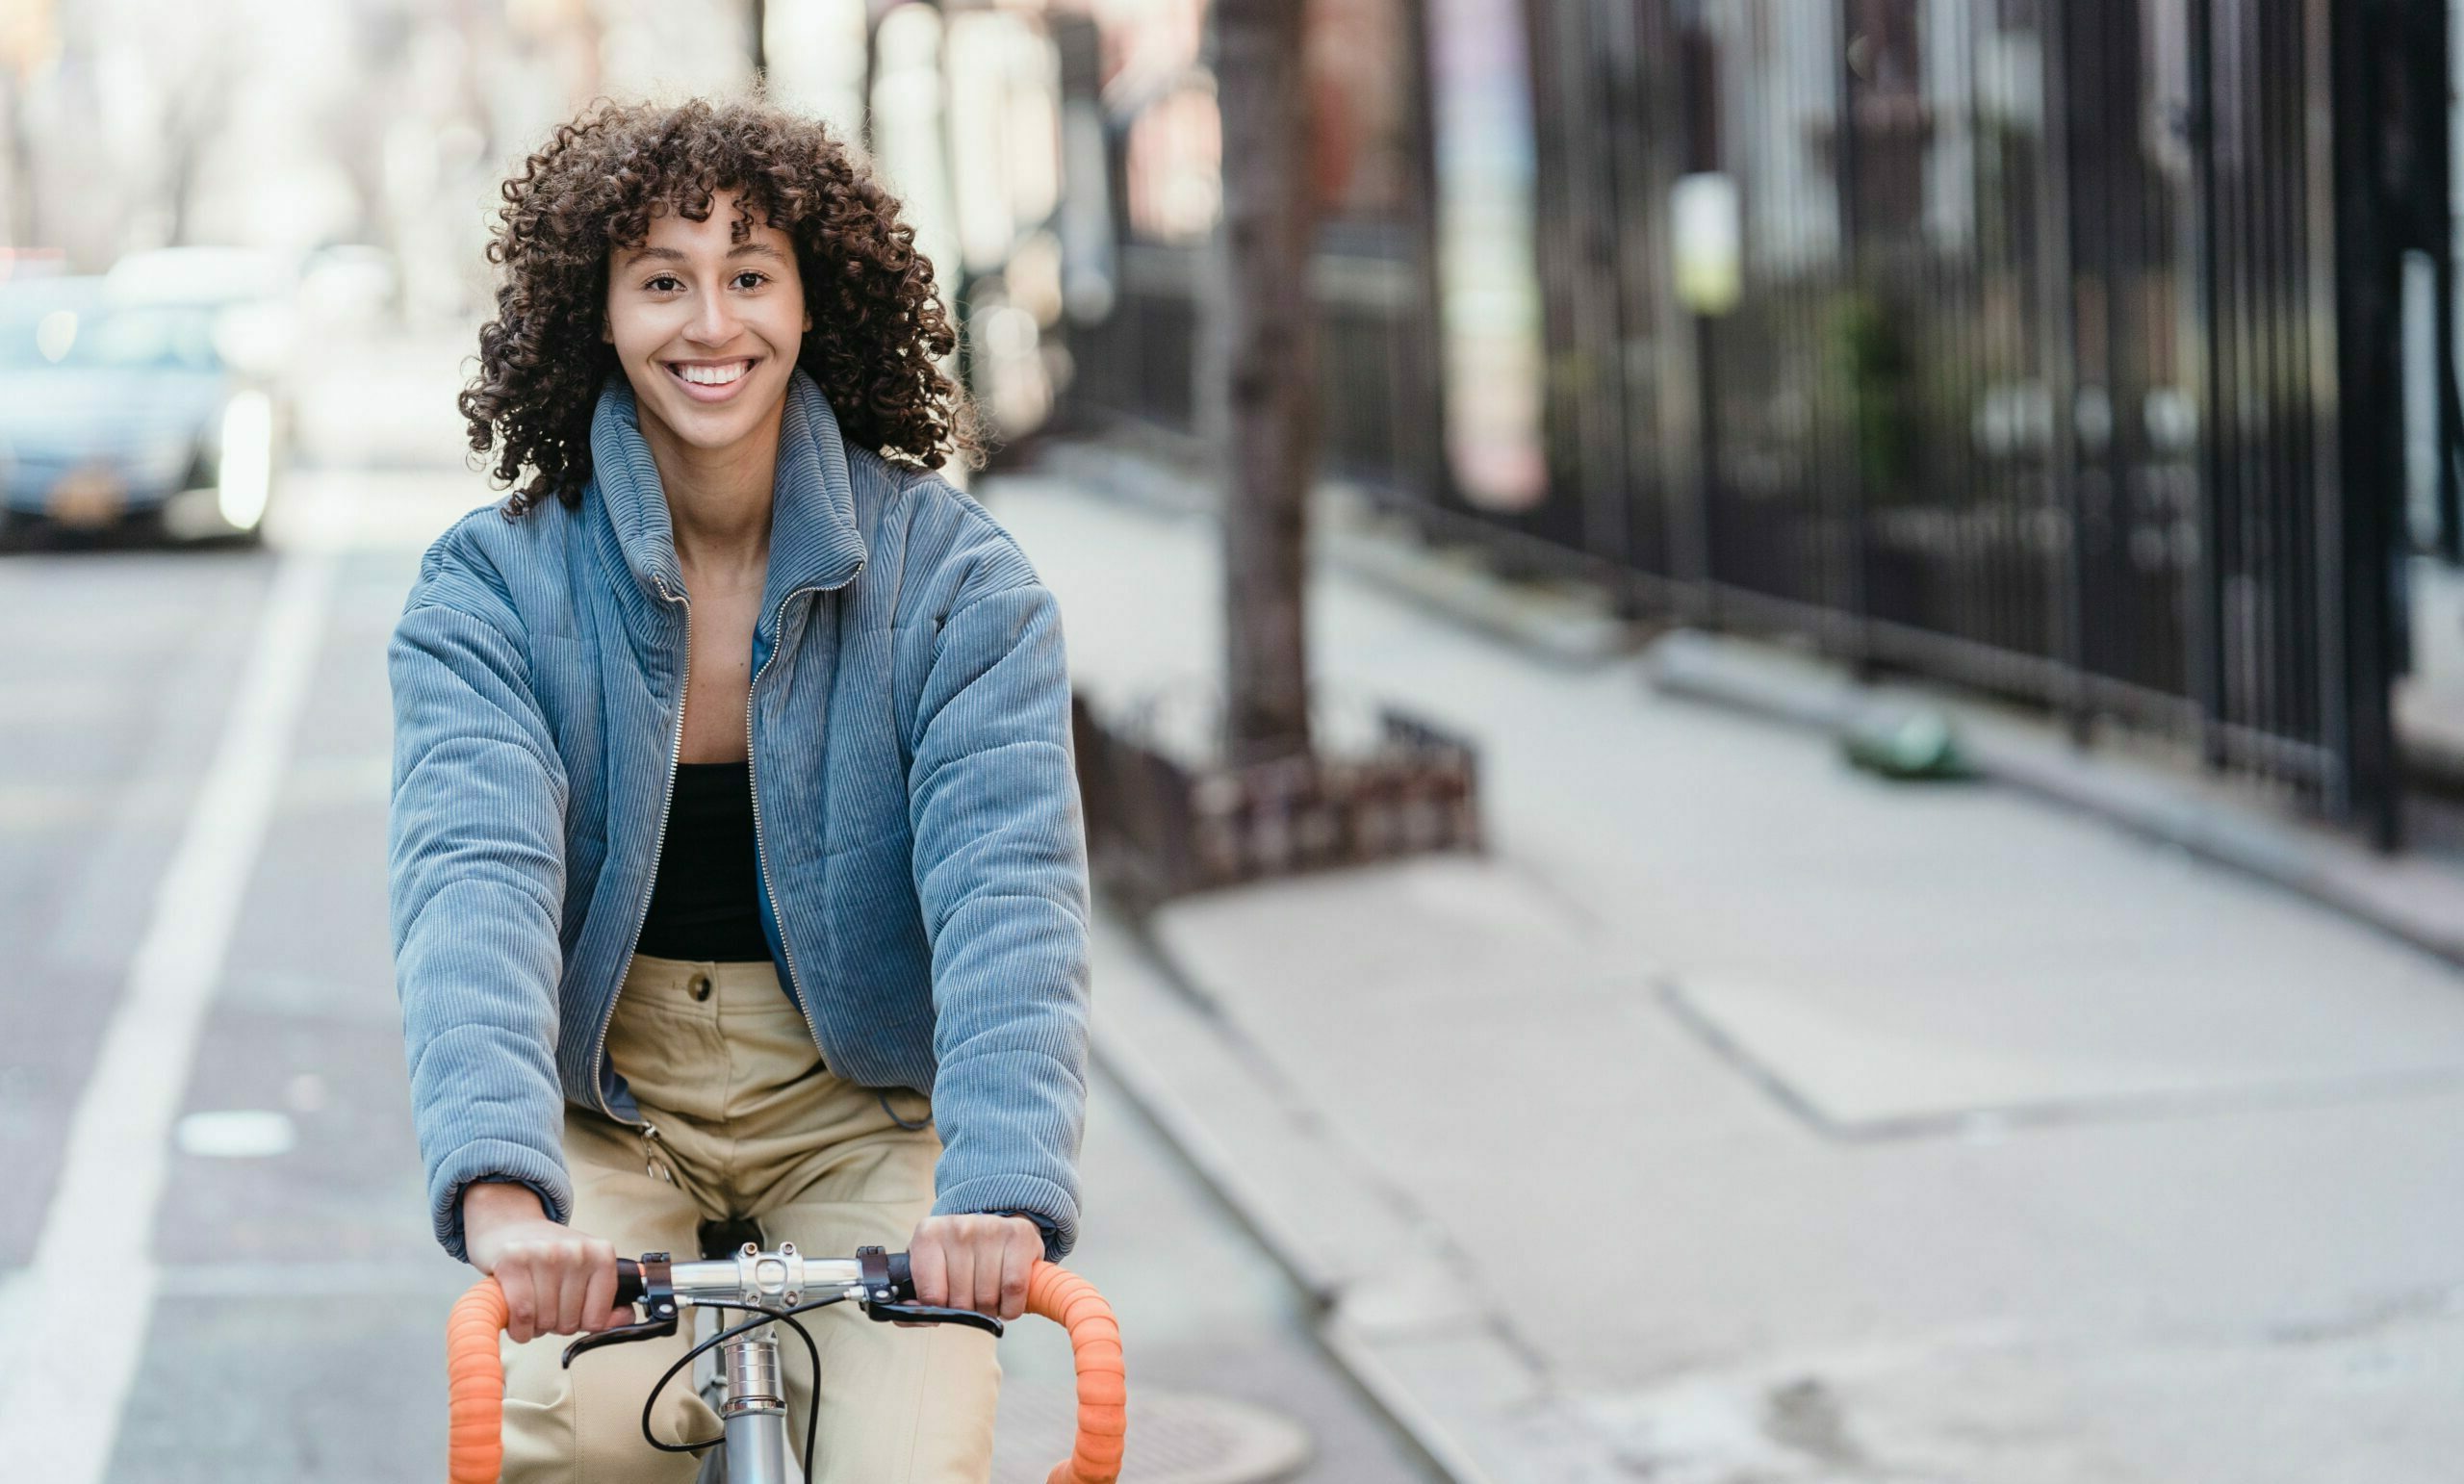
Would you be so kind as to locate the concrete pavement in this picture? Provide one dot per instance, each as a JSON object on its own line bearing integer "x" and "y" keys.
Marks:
{"x": 1747, "y": 1117}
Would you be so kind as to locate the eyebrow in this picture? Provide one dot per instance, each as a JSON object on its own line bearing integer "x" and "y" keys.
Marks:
{"x": 671, "y": 255}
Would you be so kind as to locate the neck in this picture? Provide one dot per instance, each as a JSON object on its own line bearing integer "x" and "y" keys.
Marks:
{"x": 718, "y": 499}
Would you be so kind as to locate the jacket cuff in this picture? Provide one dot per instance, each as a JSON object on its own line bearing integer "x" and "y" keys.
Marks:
{"x": 1043, "y": 1224}
{"x": 493, "y": 1158}
{"x": 1040, "y": 1201}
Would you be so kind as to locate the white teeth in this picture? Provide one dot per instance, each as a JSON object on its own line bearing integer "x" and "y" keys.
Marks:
{"x": 714, "y": 375}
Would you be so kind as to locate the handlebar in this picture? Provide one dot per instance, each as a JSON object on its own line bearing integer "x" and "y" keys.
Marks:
{"x": 783, "y": 1279}
{"x": 753, "y": 1276}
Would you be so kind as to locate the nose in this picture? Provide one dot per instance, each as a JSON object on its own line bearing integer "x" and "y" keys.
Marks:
{"x": 714, "y": 321}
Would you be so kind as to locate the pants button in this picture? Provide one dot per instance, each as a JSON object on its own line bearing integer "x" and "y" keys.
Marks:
{"x": 700, "y": 986}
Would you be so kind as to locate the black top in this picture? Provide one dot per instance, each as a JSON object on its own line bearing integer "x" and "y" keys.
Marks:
{"x": 707, "y": 904}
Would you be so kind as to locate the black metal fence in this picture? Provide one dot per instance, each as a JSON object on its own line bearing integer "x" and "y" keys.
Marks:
{"x": 2064, "y": 363}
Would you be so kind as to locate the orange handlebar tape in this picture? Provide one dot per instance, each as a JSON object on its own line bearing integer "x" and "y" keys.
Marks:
{"x": 474, "y": 1385}
{"x": 1070, "y": 1301}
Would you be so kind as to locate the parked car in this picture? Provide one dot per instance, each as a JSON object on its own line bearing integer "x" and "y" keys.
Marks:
{"x": 120, "y": 410}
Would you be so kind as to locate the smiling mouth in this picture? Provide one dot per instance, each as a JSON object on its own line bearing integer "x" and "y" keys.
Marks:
{"x": 708, "y": 374}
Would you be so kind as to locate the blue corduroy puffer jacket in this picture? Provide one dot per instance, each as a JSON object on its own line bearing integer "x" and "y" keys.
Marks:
{"x": 922, "y": 849}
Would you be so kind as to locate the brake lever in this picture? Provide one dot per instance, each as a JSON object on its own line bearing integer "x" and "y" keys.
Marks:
{"x": 658, "y": 1301}
{"x": 934, "y": 1313}
{"x": 880, "y": 1282}
{"x": 623, "y": 1334}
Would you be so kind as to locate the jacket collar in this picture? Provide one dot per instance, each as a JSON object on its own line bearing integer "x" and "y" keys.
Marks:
{"x": 814, "y": 539}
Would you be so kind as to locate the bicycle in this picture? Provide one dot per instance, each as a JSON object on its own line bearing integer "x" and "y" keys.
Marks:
{"x": 749, "y": 1386}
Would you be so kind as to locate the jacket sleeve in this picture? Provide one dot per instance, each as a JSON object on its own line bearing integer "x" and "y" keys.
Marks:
{"x": 476, "y": 858}
{"x": 1001, "y": 874}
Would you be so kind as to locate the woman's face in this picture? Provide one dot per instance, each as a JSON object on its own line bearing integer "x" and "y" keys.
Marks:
{"x": 707, "y": 329}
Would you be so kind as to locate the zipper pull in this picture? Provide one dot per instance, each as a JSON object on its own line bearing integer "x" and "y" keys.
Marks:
{"x": 651, "y": 1161}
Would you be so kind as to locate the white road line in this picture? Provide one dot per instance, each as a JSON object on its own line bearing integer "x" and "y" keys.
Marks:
{"x": 71, "y": 1349}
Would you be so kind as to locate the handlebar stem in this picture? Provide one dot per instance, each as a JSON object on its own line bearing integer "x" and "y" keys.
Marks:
{"x": 770, "y": 1280}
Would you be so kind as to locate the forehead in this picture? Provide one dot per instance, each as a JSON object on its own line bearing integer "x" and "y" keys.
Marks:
{"x": 669, "y": 228}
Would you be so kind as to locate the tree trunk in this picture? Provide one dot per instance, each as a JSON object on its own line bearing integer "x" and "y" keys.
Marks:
{"x": 1264, "y": 373}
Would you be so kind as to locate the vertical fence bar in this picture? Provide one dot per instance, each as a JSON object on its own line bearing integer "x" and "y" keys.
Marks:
{"x": 1698, "y": 47}
{"x": 1422, "y": 435}
{"x": 2204, "y": 661}
{"x": 2066, "y": 570}
{"x": 1850, "y": 268}
{"x": 2450, "y": 414}
{"x": 2353, "y": 544}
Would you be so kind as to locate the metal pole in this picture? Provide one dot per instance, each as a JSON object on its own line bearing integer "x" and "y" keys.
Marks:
{"x": 2204, "y": 632}
{"x": 2349, "y": 65}
{"x": 1860, "y": 499}
{"x": 2067, "y": 577}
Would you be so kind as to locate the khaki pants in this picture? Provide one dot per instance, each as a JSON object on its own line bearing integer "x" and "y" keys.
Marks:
{"x": 749, "y": 1123}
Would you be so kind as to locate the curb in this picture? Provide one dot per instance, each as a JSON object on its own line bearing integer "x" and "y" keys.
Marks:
{"x": 2417, "y": 902}
{"x": 1261, "y": 1149}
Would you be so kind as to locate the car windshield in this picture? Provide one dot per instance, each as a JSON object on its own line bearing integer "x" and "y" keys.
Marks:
{"x": 154, "y": 337}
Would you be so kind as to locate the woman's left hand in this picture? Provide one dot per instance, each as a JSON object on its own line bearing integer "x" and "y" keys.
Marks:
{"x": 978, "y": 1262}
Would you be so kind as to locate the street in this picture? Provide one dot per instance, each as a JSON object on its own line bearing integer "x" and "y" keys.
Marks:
{"x": 294, "y": 1326}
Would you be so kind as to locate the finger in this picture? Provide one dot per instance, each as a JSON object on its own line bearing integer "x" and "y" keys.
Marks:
{"x": 580, "y": 1275}
{"x": 991, "y": 1258}
{"x": 555, "y": 1279}
{"x": 513, "y": 1275}
{"x": 1016, "y": 1263}
{"x": 927, "y": 1266}
{"x": 599, "y": 1309}
{"x": 962, "y": 1262}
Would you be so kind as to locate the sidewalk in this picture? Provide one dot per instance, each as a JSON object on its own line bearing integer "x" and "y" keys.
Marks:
{"x": 1744, "y": 1117}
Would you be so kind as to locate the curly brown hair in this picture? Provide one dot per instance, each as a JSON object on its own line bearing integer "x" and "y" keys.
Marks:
{"x": 879, "y": 327}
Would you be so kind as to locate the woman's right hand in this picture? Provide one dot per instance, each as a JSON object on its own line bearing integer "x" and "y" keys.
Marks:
{"x": 556, "y": 1281}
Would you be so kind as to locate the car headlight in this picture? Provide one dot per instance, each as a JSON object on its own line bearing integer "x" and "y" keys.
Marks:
{"x": 244, "y": 475}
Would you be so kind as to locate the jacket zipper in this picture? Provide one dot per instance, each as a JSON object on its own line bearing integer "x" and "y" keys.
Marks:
{"x": 666, "y": 803}
{"x": 752, "y": 781}
{"x": 760, "y": 851}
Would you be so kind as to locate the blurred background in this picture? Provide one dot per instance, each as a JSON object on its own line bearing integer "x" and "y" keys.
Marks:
{"x": 1774, "y": 736}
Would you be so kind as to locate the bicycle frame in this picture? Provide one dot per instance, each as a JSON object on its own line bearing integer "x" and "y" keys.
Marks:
{"x": 752, "y": 1407}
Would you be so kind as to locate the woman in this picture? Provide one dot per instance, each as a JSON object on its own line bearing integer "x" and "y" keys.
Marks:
{"x": 738, "y": 870}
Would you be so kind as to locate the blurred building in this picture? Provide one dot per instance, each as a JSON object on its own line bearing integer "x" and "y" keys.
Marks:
{"x": 2048, "y": 350}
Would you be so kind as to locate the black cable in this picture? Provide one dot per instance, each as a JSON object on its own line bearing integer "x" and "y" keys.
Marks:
{"x": 812, "y": 1352}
